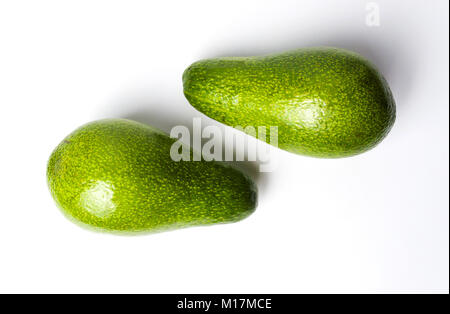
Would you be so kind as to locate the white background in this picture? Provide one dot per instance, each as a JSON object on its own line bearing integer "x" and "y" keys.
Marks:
{"x": 377, "y": 222}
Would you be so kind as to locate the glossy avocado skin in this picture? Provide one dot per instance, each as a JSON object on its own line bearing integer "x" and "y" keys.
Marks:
{"x": 117, "y": 175}
{"x": 326, "y": 102}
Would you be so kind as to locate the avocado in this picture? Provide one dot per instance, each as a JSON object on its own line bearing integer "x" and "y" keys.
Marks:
{"x": 117, "y": 175}
{"x": 326, "y": 102}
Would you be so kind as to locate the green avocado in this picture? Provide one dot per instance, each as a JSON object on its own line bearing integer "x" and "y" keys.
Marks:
{"x": 117, "y": 175}
{"x": 325, "y": 102}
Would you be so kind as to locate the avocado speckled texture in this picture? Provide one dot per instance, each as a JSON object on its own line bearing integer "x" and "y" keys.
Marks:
{"x": 117, "y": 175}
{"x": 326, "y": 102}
